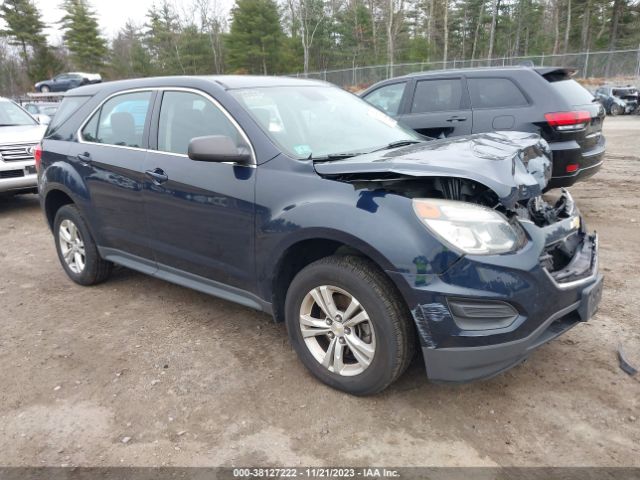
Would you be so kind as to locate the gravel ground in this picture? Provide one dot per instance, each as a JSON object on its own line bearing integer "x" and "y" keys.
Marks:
{"x": 141, "y": 372}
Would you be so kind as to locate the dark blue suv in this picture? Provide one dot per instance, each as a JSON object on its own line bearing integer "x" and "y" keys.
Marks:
{"x": 299, "y": 199}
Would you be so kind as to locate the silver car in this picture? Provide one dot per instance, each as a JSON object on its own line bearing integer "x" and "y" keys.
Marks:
{"x": 19, "y": 134}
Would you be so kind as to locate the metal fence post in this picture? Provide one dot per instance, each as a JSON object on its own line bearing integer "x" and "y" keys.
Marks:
{"x": 638, "y": 64}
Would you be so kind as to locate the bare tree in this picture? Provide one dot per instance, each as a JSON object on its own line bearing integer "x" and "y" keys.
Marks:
{"x": 310, "y": 16}
{"x": 567, "y": 29}
{"x": 445, "y": 21}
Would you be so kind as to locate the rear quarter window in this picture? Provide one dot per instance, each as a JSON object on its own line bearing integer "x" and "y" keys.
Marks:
{"x": 495, "y": 93}
{"x": 572, "y": 92}
{"x": 68, "y": 107}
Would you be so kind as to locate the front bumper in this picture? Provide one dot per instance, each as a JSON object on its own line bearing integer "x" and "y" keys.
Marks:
{"x": 17, "y": 177}
{"x": 545, "y": 304}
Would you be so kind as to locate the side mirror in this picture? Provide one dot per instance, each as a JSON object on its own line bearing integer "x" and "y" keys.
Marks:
{"x": 218, "y": 148}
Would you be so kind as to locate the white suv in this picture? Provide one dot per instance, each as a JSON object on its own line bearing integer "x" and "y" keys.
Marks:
{"x": 19, "y": 134}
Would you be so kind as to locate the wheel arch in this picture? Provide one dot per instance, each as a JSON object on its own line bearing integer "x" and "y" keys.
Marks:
{"x": 309, "y": 249}
{"x": 54, "y": 199}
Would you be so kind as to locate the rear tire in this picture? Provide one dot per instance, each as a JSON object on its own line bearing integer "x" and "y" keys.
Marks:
{"x": 77, "y": 251}
{"x": 373, "y": 341}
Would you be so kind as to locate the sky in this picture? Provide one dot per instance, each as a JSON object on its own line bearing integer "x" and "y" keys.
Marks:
{"x": 112, "y": 14}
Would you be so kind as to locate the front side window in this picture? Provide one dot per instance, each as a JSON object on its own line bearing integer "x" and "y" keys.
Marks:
{"x": 495, "y": 93}
{"x": 12, "y": 115}
{"x": 317, "y": 121}
{"x": 437, "y": 95}
{"x": 387, "y": 98}
{"x": 120, "y": 121}
{"x": 186, "y": 115}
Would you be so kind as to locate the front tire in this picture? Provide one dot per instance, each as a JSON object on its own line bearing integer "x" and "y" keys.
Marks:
{"x": 348, "y": 324}
{"x": 44, "y": 89}
{"x": 77, "y": 251}
{"x": 615, "y": 110}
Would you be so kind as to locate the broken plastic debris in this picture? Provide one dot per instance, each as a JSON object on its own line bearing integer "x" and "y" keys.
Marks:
{"x": 624, "y": 364}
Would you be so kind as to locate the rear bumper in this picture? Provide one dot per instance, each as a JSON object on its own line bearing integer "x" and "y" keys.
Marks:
{"x": 570, "y": 153}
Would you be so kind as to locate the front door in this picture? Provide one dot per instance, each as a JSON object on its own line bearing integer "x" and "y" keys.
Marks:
{"x": 201, "y": 213}
{"x": 439, "y": 108}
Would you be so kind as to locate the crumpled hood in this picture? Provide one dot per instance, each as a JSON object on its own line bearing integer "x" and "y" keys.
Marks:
{"x": 515, "y": 165}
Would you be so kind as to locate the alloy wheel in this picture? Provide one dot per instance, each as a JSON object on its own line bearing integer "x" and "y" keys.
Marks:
{"x": 72, "y": 246}
{"x": 337, "y": 330}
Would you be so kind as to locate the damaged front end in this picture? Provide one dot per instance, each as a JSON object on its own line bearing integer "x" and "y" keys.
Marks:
{"x": 487, "y": 311}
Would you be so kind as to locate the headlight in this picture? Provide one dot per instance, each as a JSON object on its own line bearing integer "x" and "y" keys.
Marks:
{"x": 468, "y": 227}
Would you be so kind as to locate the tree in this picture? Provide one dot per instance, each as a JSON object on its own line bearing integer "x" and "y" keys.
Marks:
{"x": 256, "y": 36}
{"x": 82, "y": 36}
{"x": 130, "y": 58}
{"x": 24, "y": 29}
{"x": 161, "y": 38}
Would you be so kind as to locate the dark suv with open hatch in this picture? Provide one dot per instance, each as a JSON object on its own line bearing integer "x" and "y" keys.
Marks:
{"x": 301, "y": 200}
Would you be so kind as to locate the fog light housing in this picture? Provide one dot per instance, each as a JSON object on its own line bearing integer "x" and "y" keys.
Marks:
{"x": 472, "y": 314}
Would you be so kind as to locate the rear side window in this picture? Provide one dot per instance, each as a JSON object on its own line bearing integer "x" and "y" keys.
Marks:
{"x": 572, "y": 92}
{"x": 437, "y": 95}
{"x": 387, "y": 98}
{"x": 120, "y": 121}
{"x": 186, "y": 115}
{"x": 495, "y": 93}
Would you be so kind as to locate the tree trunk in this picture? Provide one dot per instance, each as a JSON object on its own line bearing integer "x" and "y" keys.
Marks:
{"x": 586, "y": 26}
{"x": 613, "y": 36}
{"x": 390, "y": 39}
{"x": 477, "y": 33}
{"x": 567, "y": 30}
{"x": 445, "y": 49}
{"x": 556, "y": 26}
{"x": 494, "y": 22}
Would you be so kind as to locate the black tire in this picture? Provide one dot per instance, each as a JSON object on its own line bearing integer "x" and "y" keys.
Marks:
{"x": 615, "y": 110}
{"x": 388, "y": 314}
{"x": 96, "y": 270}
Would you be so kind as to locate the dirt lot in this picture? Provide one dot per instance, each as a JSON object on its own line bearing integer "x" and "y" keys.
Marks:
{"x": 192, "y": 380}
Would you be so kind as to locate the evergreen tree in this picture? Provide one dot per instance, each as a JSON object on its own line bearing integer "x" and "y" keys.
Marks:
{"x": 82, "y": 36}
{"x": 24, "y": 29}
{"x": 256, "y": 39}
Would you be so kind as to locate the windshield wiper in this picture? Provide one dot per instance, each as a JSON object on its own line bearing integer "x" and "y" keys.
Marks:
{"x": 336, "y": 156}
{"x": 396, "y": 144}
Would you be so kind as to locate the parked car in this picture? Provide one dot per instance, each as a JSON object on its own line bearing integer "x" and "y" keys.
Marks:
{"x": 618, "y": 100}
{"x": 42, "y": 108}
{"x": 19, "y": 134}
{"x": 67, "y": 81}
{"x": 299, "y": 199}
{"x": 541, "y": 100}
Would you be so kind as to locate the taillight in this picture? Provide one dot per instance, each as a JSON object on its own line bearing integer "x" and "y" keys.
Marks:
{"x": 566, "y": 121}
{"x": 37, "y": 155}
{"x": 572, "y": 167}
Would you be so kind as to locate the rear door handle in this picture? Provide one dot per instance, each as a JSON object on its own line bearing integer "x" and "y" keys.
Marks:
{"x": 456, "y": 119}
{"x": 85, "y": 158}
{"x": 157, "y": 175}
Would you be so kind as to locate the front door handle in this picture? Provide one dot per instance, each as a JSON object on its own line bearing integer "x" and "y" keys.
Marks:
{"x": 157, "y": 175}
{"x": 456, "y": 119}
{"x": 85, "y": 158}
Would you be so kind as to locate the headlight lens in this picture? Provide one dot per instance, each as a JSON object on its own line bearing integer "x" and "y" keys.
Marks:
{"x": 468, "y": 227}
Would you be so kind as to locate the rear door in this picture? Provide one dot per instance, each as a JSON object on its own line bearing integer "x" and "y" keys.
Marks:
{"x": 439, "y": 108}
{"x": 499, "y": 103}
{"x": 201, "y": 213}
{"x": 110, "y": 155}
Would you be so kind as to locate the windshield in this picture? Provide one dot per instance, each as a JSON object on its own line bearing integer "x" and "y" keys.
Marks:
{"x": 11, "y": 115}
{"x": 317, "y": 121}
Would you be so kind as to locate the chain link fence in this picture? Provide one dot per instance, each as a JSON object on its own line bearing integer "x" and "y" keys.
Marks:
{"x": 593, "y": 67}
